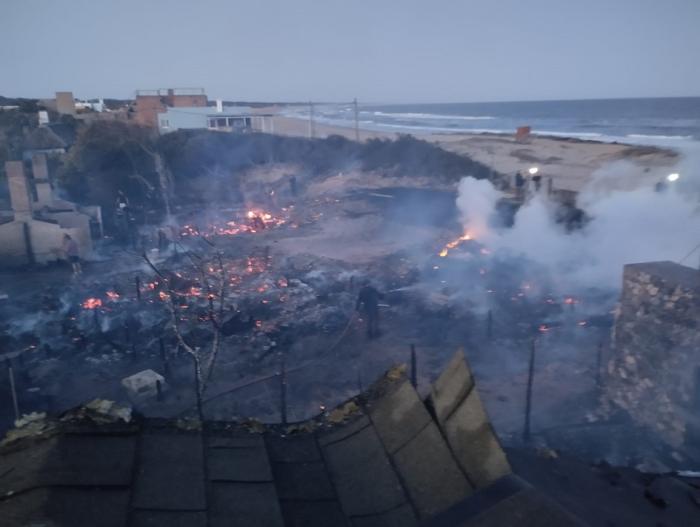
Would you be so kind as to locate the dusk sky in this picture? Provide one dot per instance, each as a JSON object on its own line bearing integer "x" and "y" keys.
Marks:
{"x": 331, "y": 50}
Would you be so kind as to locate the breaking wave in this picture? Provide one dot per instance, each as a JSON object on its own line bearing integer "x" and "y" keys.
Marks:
{"x": 399, "y": 115}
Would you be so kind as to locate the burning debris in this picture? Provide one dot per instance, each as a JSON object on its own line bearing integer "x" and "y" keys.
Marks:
{"x": 453, "y": 244}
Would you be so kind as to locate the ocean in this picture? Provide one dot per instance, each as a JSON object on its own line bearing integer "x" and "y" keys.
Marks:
{"x": 628, "y": 120}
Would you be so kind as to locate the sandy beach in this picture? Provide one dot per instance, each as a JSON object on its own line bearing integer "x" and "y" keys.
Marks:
{"x": 571, "y": 163}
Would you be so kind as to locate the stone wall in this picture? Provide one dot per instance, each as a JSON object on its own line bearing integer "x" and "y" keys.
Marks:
{"x": 654, "y": 369}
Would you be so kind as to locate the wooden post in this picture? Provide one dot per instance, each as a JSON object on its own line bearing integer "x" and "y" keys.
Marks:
{"x": 13, "y": 388}
{"x": 198, "y": 388}
{"x": 283, "y": 390}
{"x": 599, "y": 365}
{"x": 528, "y": 396}
{"x": 164, "y": 358}
{"x": 489, "y": 325}
{"x": 414, "y": 367}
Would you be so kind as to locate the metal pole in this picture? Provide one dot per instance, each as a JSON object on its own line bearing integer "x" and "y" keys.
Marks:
{"x": 528, "y": 396}
{"x": 13, "y": 388}
{"x": 357, "y": 122}
{"x": 414, "y": 368}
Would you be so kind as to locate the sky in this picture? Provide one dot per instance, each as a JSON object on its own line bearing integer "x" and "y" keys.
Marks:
{"x": 380, "y": 51}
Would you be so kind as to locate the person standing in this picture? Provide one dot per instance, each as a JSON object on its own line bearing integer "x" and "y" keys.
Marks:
{"x": 368, "y": 300}
{"x": 72, "y": 252}
{"x": 519, "y": 184}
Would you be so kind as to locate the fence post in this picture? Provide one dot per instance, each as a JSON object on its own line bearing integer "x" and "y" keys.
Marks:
{"x": 414, "y": 367}
{"x": 164, "y": 358}
{"x": 13, "y": 388}
{"x": 599, "y": 365}
{"x": 528, "y": 396}
{"x": 283, "y": 390}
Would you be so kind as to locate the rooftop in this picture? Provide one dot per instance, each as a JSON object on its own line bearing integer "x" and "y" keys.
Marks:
{"x": 380, "y": 459}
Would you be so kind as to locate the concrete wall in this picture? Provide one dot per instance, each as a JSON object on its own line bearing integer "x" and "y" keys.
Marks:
{"x": 65, "y": 103}
{"x": 19, "y": 190}
{"x": 13, "y": 248}
{"x": 40, "y": 171}
{"x": 654, "y": 371}
{"x": 465, "y": 424}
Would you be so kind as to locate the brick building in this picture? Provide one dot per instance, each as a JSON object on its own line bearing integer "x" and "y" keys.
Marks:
{"x": 149, "y": 103}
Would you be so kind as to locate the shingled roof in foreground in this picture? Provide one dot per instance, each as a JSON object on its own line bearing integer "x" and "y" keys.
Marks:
{"x": 385, "y": 458}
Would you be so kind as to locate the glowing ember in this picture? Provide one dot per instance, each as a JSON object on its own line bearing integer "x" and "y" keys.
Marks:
{"x": 252, "y": 221}
{"x": 543, "y": 328}
{"x": 112, "y": 295}
{"x": 454, "y": 243}
{"x": 92, "y": 303}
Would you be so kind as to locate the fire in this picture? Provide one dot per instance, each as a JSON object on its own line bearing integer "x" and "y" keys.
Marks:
{"x": 252, "y": 221}
{"x": 92, "y": 303}
{"x": 454, "y": 243}
{"x": 112, "y": 295}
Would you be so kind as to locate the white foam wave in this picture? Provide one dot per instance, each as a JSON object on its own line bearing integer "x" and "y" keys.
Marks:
{"x": 400, "y": 115}
{"x": 643, "y": 136}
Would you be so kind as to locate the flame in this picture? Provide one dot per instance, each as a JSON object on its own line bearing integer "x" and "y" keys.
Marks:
{"x": 92, "y": 303}
{"x": 112, "y": 295}
{"x": 454, "y": 243}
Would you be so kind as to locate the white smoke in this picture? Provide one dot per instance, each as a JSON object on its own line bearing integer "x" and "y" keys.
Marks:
{"x": 625, "y": 227}
{"x": 476, "y": 200}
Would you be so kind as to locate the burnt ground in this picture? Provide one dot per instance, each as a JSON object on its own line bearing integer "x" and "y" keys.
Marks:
{"x": 607, "y": 496}
{"x": 288, "y": 305}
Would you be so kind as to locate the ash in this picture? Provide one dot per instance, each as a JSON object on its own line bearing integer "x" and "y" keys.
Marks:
{"x": 265, "y": 297}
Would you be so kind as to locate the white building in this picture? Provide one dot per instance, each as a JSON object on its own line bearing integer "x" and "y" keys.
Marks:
{"x": 220, "y": 118}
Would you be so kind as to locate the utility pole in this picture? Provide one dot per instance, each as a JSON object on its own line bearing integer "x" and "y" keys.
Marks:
{"x": 357, "y": 122}
{"x": 312, "y": 131}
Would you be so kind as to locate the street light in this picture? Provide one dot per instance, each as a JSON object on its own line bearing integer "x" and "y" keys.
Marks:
{"x": 673, "y": 177}
{"x": 533, "y": 170}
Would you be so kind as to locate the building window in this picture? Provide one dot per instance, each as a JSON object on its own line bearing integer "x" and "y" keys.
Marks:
{"x": 164, "y": 123}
